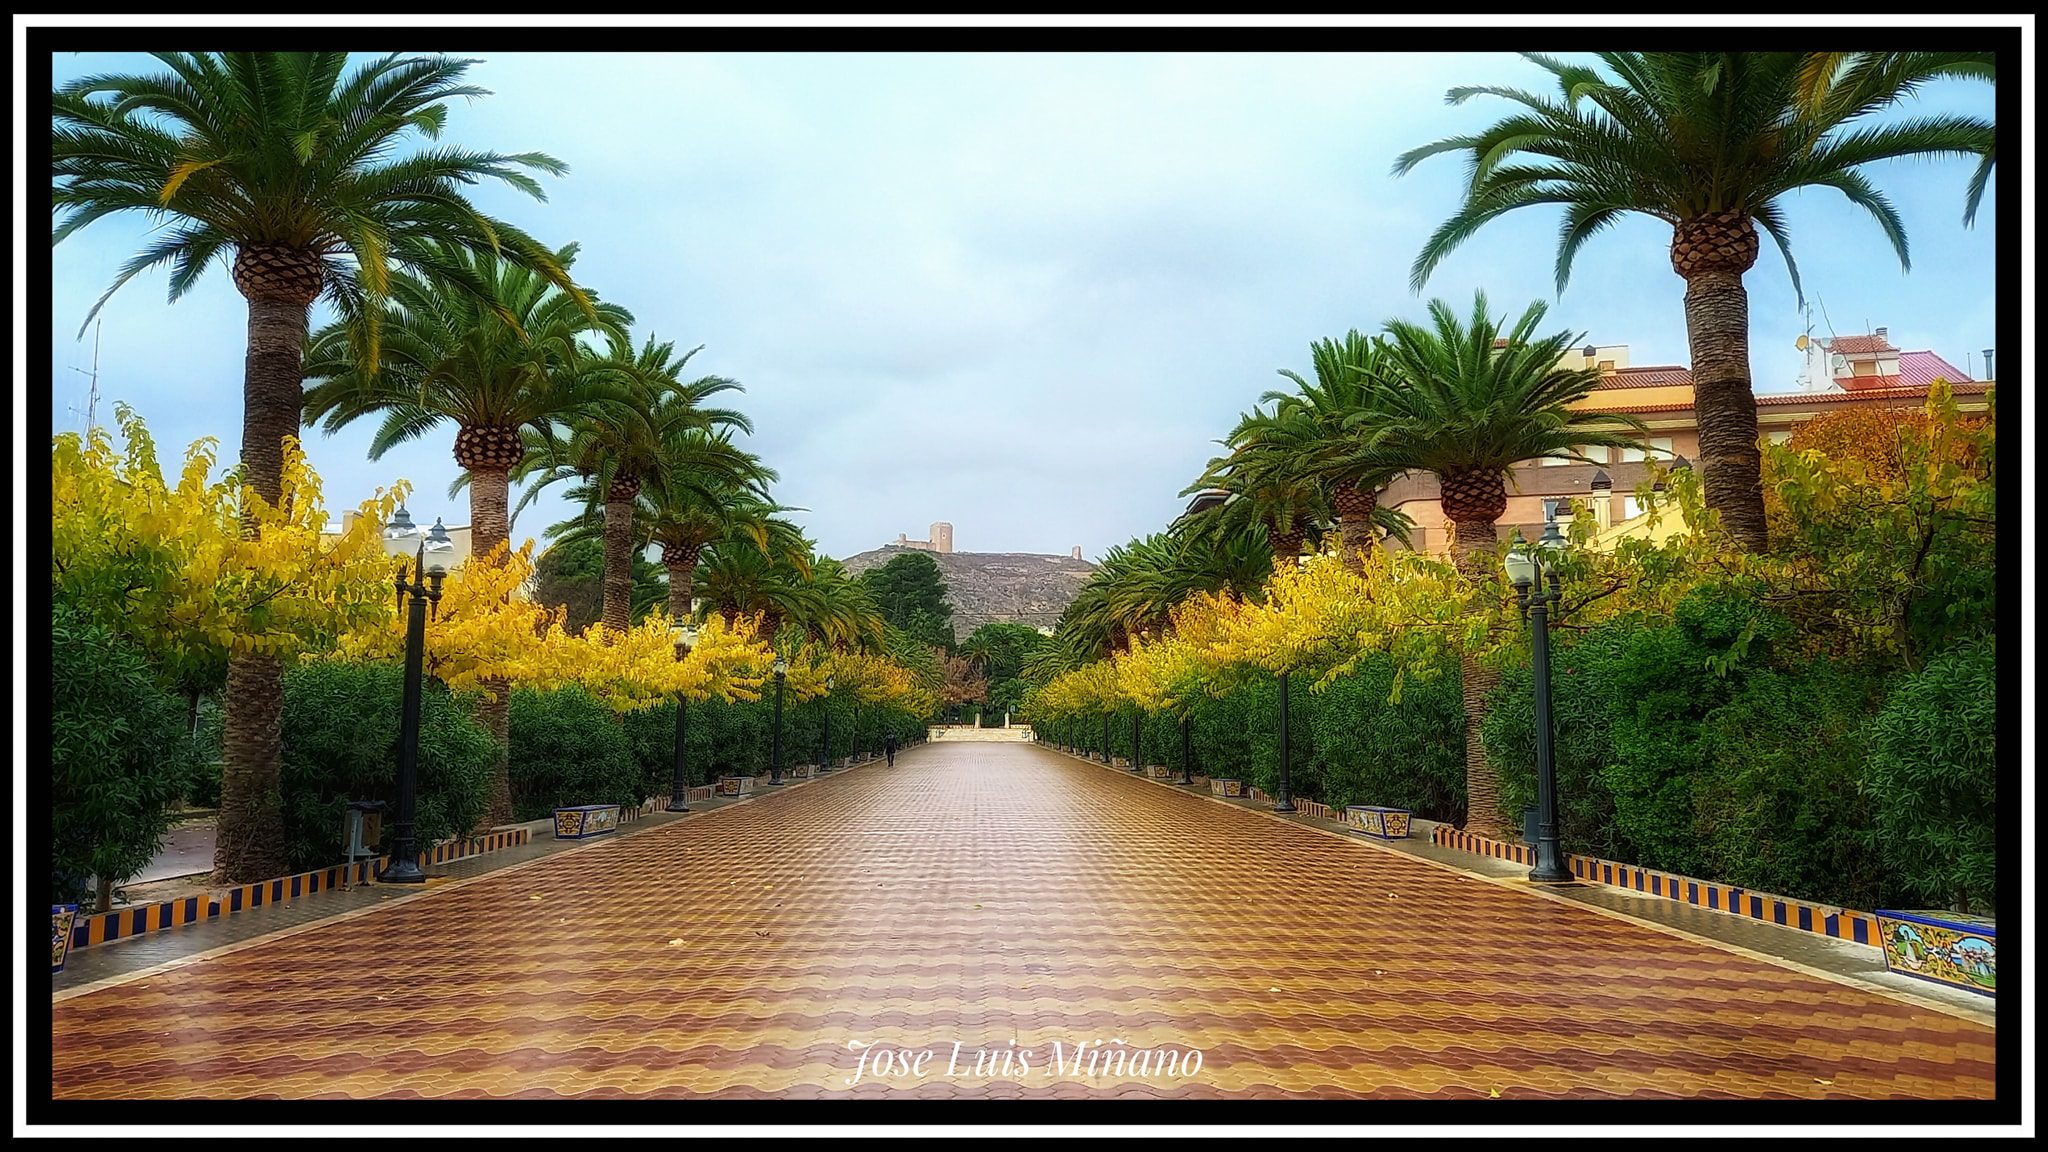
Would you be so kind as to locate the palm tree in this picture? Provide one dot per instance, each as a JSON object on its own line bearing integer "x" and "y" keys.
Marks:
{"x": 501, "y": 366}
{"x": 1466, "y": 405}
{"x": 630, "y": 440}
{"x": 1708, "y": 142}
{"x": 1138, "y": 585}
{"x": 1267, "y": 489}
{"x": 1320, "y": 426}
{"x": 288, "y": 167}
{"x": 502, "y": 363}
{"x": 712, "y": 491}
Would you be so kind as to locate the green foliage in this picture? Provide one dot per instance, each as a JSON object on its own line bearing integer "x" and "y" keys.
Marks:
{"x": 910, "y": 593}
{"x": 567, "y": 749}
{"x": 1406, "y": 751}
{"x": 120, "y": 755}
{"x": 1932, "y": 782}
{"x": 340, "y": 735}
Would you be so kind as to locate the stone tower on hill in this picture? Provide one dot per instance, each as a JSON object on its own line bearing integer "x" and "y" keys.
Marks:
{"x": 1015, "y": 587}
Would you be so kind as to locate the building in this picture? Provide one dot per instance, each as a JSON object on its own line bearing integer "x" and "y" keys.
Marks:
{"x": 1836, "y": 373}
{"x": 941, "y": 541}
{"x": 458, "y": 534}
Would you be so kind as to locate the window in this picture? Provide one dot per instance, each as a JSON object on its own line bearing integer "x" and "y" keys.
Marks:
{"x": 1631, "y": 508}
{"x": 1779, "y": 437}
{"x": 1660, "y": 448}
{"x": 1607, "y": 365}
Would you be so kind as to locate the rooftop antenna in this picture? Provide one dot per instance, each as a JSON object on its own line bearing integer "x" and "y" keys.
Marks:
{"x": 92, "y": 392}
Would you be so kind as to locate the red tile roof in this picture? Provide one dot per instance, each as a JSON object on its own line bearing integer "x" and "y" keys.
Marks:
{"x": 1779, "y": 399}
{"x": 1864, "y": 345}
{"x": 1919, "y": 369}
{"x": 1649, "y": 376}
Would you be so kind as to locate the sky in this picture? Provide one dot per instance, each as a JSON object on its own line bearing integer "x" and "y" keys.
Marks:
{"x": 1024, "y": 294}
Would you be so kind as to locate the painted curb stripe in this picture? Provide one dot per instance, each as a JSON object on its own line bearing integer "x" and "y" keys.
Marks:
{"x": 1819, "y": 919}
{"x": 177, "y": 913}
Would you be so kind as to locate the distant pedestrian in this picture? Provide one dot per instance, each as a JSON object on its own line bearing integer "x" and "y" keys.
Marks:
{"x": 889, "y": 748}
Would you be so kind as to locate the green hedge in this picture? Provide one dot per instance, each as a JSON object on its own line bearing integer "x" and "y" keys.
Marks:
{"x": 120, "y": 756}
{"x": 1932, "y": 781}
{"x": 339, "y": 737}
{"x": 1711, "y": 745}
{"x": 567, "y": 749}
{"x": 737, "y": 737}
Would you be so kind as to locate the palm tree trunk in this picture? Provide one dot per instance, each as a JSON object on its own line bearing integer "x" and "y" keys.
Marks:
{"x": 682, "y": 572}
{"x": 1712, "y": 255}
{"x": 490, "y": 528}
{"x": 1355, "y": 507}
{"x": 618, "y": 564}
{"x": 1472, "y": 548}
{"x": 1286, "y": 545}
{"x": 250, "y": 843}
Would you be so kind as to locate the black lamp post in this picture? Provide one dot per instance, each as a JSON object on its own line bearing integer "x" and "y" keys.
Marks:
{"x": 825, "y": 744}
{"x": 1106, "y": 757}
{"x": 1286, "y": 802}
{"x": 1536, "y": 593}
{"x": 1187, "y": 750}
{"x": 679, "y": 789}
{"x": 400, "y": 537}
{"x": 775, "y": 762}
{"x": 1137, "y": 741}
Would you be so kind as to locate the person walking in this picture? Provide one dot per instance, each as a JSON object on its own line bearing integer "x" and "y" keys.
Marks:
{"x": 889, "y": 748}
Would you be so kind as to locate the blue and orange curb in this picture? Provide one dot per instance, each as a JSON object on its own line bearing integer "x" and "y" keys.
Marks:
{"x": 126, "y": 922}
{"x": 1820, "y": 919}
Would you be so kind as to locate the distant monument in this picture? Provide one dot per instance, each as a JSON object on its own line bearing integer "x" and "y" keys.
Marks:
{"x": 941, "y": 541}
{"x": 1018, "y": 587}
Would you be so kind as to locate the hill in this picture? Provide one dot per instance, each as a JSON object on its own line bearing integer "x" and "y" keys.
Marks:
{"x": 1019, "y": 587}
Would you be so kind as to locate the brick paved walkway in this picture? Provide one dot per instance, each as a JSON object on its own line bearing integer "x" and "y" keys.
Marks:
{"x": 1007, "y": 898}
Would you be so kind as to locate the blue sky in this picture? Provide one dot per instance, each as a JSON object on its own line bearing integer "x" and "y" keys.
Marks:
{"x": 1025, "y": 293}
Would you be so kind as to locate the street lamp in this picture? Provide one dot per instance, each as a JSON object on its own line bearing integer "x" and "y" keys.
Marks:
{"x": 1137, "y": 742}
{"x": 679, "y": 789}
{"x": 825, "y": 745}
{"x": 1533, "y": 573}
{"x": 775, "y": 765}
{"x": 1187, "y": 750}
{"x": 429, "y": 555}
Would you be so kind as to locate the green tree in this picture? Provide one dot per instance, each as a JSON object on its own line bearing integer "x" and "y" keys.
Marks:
{"x": 120, "y": 756}
{"x": 291, "y": 168}
{"x": 1463, "y": 401}
{"x": 1709, "y": 143}
{"x": 910, "y": 593}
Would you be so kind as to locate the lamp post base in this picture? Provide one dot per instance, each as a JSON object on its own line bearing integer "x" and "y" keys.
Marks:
{"x": 678, "y": 803}
{"x": 404, "y": 870}
{"x": 1285, "y": 806}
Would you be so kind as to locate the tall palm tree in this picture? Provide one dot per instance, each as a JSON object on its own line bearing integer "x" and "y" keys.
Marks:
{"x": 293, "y": 169}
{"x": 628, "y": 441}
{"x": 500, "y": 363}
{"x": 500, "y": 366}
{"x": 1463, "y": 403}
{"x": 713, "y": 490}
{"x": 1708, "y": 142}
{"x": 1321, "y": 425}
{"x": 1267, "y": 489}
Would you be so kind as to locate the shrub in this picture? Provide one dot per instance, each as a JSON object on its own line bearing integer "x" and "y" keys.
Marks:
{"x": 1932, "y": 783}
{"x": 1580, "y": 683}
{"x": 1777, "y": 808}
{"x": 339, "y": 738}
{"x": 120, "y": 756}
{"x": 1405, "y": 753}
{"x": 567, "y": 748}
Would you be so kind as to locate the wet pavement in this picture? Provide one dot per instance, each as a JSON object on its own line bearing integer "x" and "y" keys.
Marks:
{"x": 1075, "y": 931}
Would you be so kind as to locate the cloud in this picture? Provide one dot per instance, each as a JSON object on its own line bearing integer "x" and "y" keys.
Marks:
{"x": 1023, "y": 293}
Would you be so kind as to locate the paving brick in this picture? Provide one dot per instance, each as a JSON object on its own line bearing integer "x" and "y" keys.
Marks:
{"x": 994, "y": 894}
